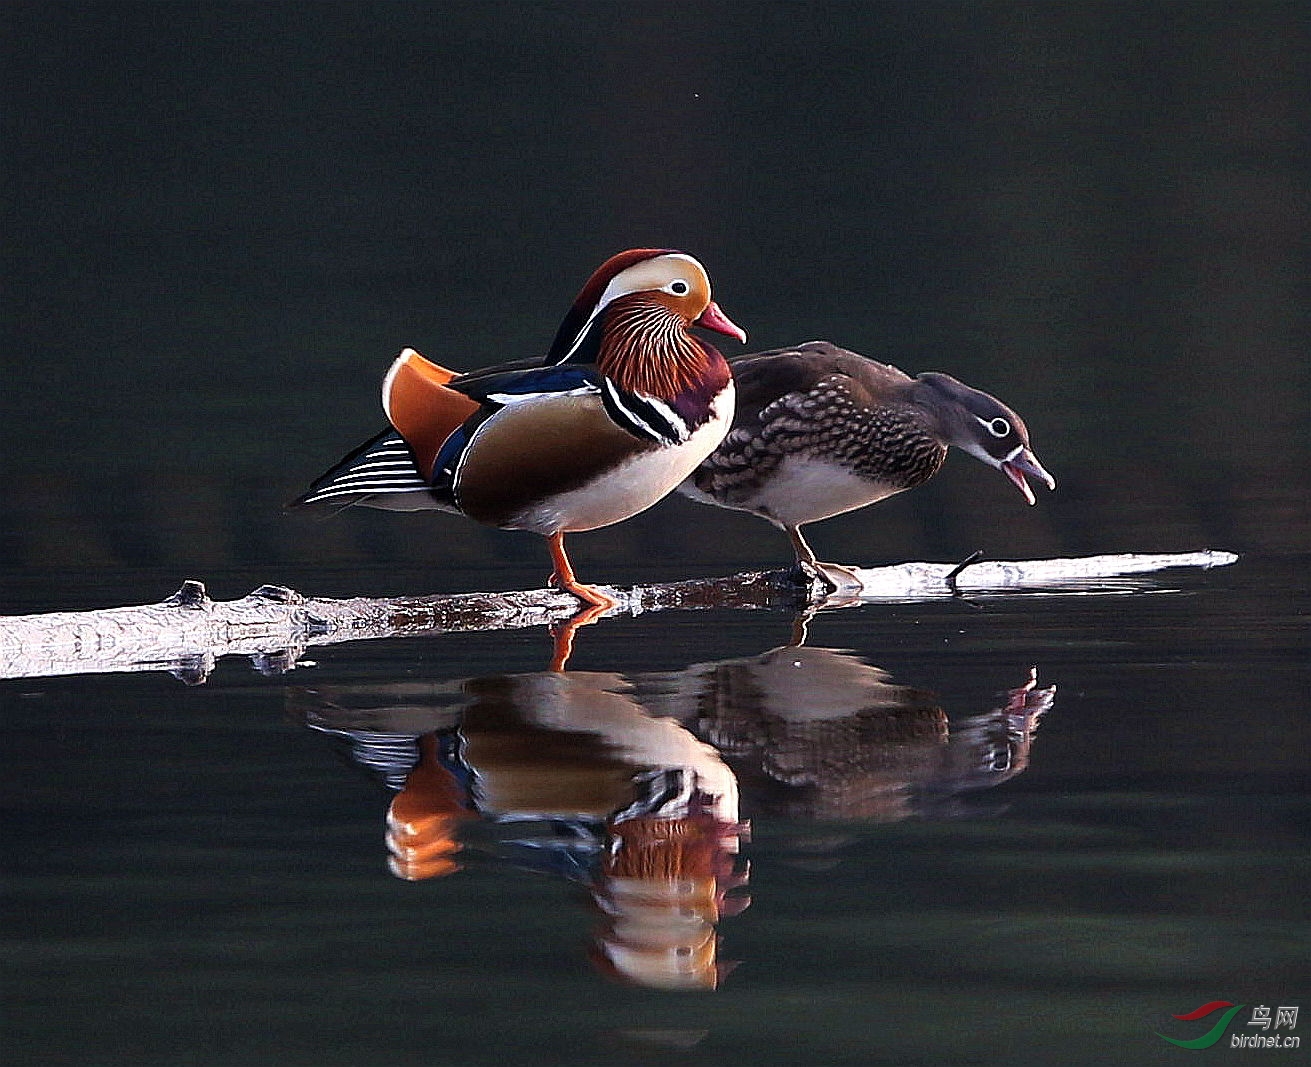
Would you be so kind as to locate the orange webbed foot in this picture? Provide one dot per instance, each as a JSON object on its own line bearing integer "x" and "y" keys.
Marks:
{"x": 562, "y": 633}
{"x": 563, "y": 577}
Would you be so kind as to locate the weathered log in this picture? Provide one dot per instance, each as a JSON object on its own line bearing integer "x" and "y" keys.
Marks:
{"x": 919, "y": 581}
{"x": 273, "y": 625}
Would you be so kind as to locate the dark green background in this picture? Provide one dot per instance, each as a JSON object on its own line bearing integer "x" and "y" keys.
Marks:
{"x": 225, "y": 219}
{"x": 222, "y": 221}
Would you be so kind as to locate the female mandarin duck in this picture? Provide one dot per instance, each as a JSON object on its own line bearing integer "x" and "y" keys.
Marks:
{"x": 624, "y": 406}
{"x": 820, "y": 431}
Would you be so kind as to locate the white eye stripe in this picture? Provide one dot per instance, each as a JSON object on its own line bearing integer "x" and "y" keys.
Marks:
{"x": 636, "y": 279}
{"x": 998, "y": 427}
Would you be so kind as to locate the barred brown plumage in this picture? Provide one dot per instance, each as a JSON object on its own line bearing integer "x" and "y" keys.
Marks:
{"x": 820, "y": 431}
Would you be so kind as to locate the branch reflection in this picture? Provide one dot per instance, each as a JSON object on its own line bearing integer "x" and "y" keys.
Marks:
{"x": 630, "y": 786}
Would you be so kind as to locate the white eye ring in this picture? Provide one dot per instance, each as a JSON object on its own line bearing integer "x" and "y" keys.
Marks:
{"x": 998, "y": 427}
{"x": 679, "y": 287}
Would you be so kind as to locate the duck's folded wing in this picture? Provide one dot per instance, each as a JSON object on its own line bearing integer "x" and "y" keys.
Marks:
{"x": 644, "y": 417}
{"x": 510, "y": 383}
{"x": 381, "y": 473}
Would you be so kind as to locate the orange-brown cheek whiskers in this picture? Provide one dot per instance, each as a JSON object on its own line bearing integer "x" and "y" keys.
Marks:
{"x": 646, "y": 349}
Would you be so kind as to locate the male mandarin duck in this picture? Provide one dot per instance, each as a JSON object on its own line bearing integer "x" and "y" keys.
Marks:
{"x": 624, "y": 406}
{"x": 820, "y": 431}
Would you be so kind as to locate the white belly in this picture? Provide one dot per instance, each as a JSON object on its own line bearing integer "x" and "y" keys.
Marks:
{"x": 805, "y": 490}
{"x": 633, "y": 486}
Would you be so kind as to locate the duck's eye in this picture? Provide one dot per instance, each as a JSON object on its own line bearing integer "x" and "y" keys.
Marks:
{"x": 998, "y": 427}
{"x": 679, "y": 288}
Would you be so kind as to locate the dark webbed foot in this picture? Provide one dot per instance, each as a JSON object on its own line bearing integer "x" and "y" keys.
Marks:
{"x": 808, "y": 576}
{"x": 825, "y": 579}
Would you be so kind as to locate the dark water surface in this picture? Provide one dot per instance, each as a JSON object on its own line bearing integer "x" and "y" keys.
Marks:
{"x": 224, "y": 220}
{"x": 198, "y": 875}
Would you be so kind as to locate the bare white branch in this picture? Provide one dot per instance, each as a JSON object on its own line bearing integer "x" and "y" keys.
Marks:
{"x": 273, "y": 625}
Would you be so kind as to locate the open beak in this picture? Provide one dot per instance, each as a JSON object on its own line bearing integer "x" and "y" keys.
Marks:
{"x": 1025, "y": 462}
{"x": 714, "y": 319}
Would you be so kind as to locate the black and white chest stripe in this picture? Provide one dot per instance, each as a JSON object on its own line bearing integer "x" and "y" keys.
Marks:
{"x": 645, "y": 417}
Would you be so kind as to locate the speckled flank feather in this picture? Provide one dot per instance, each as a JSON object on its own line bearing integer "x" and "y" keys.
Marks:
{"x": 821, "y": 431}
{"x": 827, "y": 422}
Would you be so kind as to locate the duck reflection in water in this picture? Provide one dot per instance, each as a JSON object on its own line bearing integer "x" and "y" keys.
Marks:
{"x": 818, "y": 734}
{"x": 630, "y": 786}
{"x": 582, "y": 783}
